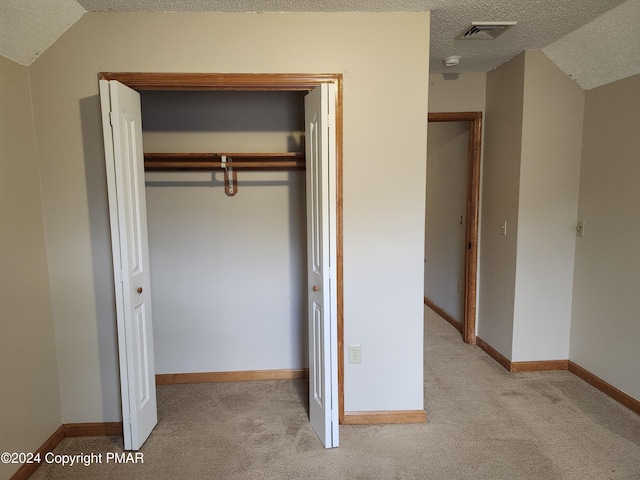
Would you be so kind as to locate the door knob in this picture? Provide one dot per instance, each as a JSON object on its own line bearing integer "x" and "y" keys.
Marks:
{"x": 139, "y": 290}
{"x": 316, "y": 288}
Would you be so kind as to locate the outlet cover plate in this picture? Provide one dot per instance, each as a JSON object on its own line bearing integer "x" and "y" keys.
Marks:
{"x": 354, "y": 354}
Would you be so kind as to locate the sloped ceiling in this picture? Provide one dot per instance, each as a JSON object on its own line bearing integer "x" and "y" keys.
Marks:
{"x": 563, "y": 29}
{"x": 540, "y": 22}
{"x": 28, "y": 28}
{"x": 613, "y": 39}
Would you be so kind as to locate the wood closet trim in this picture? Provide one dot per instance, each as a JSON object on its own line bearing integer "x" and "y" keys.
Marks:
{"x": 473, "y": 214}
{"x": 221, "y": 81}
{"x": 264, "y": 82}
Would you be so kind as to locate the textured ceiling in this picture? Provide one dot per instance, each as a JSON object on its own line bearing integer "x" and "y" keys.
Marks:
{"x": 540, "y": 22}
{"x": 27, "y": 28}
{"x": 618, "y": 56}
{"x": 255, "y": 5}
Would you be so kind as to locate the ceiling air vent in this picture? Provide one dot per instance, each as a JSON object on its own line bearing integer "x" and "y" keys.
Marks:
{"x": 484, "y": 30}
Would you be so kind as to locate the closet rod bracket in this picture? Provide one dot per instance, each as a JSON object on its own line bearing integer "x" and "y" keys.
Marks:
{"x": 230, "y": 176}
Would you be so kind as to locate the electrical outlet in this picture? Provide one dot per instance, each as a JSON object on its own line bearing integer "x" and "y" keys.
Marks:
{"x": 354, "y": 354}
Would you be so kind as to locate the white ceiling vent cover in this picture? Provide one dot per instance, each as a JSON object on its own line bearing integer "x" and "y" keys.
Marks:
{"x": 484, "y": 30}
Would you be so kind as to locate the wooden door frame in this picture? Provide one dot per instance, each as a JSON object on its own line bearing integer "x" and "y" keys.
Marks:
{"x": 263, "y": 82}
{"x": 473, "y": 214}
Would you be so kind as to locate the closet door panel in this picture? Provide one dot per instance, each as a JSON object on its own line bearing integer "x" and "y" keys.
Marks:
{"x": 321, "y": 252}
{"x": 122, "y": 128}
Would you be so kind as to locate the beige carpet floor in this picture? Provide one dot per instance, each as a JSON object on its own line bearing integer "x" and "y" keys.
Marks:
{"x": 484, "y": 423}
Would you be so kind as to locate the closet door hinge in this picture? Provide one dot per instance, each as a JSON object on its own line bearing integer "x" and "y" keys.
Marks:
{"x": 111, "y": 118}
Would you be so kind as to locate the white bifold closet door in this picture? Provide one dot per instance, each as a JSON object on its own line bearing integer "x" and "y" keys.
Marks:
{"x": 319, "y": 106}
{"x": 122, "y": 129}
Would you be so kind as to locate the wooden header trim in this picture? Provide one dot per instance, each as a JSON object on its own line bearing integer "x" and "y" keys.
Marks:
{"x": 220, "y": 81}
